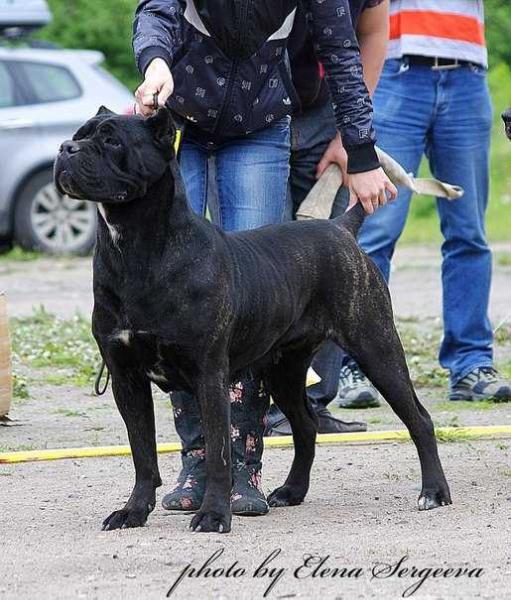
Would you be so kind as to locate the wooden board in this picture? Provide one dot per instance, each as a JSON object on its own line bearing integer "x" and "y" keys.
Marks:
{"x": 5, "y": 360}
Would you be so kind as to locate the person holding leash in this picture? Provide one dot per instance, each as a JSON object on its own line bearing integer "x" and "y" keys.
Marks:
{"x": 222, "y": 67}
{"x": 315, "y": 144}
{"x": 433, "y": 100}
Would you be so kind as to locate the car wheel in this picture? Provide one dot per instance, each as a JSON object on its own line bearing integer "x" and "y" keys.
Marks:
{"x": 46, "y": 220}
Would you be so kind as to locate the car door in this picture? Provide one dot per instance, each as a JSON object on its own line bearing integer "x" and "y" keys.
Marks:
{"x": 16, "y": 126}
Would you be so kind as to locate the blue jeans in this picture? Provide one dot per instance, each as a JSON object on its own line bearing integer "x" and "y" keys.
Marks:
{"x": 250, "y": 176}
{"x": 446, "y": 115}
{"x": 244, "y": 184}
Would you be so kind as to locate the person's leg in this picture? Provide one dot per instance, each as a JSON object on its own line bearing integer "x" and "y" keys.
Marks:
{"x": 404, "y": 111}
{"x": 459, "y": 154}
{"x": 311, "y": 133}
{"x": 404, "y": 104}
{"x": 252, "y": 178}
{"x": 189, "y": 490}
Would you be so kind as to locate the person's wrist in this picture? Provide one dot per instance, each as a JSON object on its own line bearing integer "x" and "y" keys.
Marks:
{"x": 157, "y": 65}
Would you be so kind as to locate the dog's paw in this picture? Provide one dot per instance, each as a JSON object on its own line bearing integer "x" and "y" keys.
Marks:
{"x": 211, "y": 521}
{"x": 286, "y": 496}
{"x": 434, "y": 498}
{"x": 126, "y": 519}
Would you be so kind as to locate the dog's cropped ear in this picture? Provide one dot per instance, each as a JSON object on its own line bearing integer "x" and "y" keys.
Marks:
{"x": 163, "y": 128}
{"x": 104, "y": 111}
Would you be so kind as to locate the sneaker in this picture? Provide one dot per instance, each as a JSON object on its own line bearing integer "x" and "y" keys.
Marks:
{"x": 483, "y": 383}
{"x": 355, "y": 390}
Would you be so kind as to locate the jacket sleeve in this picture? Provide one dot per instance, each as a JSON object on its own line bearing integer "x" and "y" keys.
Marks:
{"x": 156, "y": 31}
{"x": 337, "y": 48}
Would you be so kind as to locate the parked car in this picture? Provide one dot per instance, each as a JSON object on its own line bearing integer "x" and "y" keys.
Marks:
{"x": 45, "y": 95}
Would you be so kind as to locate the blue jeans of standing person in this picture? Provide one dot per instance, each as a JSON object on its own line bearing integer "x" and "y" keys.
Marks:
{"x": 249, "y": 190}
{"x": 446, "y": 115}
{"x": 250, "y": 173}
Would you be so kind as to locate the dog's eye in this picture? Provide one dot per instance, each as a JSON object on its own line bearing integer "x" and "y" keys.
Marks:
{"x": 110, "y": 141}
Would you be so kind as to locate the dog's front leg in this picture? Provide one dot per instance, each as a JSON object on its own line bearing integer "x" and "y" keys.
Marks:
{"x": 215, "y": 512}
{"x": 132, "y": 392}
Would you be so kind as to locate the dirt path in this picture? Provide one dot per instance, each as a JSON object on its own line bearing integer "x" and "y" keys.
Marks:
{"x": 360, "y": 510}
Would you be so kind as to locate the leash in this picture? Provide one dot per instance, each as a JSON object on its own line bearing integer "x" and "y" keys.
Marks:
{"x": 318, "y": 204}
{"x": 100, "y": 391}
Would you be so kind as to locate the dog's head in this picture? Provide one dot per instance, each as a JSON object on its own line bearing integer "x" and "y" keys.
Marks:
{"x": 114, "y": 158}
{"x": 506, "y": 116}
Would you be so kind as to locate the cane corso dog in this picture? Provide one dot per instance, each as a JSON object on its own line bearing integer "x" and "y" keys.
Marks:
{"x": 506, "y": 116}
{"x": 182, "y": 304}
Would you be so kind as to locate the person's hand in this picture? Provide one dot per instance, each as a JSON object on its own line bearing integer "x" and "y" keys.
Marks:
{"x": 370, "y": 189}
{"x": 158, "y": 80}
{"x": 334, "y": 154}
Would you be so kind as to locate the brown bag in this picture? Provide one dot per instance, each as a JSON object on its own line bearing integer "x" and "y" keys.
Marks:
{"x": 5, "y": 360}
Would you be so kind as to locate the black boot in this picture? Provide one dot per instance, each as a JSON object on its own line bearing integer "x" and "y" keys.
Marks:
{"x": 278, "y": 425}
{"x": 191, "y": 482}
{"x": 249, "y": 403}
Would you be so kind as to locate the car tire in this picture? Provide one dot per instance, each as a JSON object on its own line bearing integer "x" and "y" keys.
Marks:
{"x": 45, "y": 220}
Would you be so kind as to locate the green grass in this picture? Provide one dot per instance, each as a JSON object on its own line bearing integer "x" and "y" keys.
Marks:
{"x": 423, "y": 226}
{"x": 17, "y": 254}
{"x": 462, "y": 405}
{"x": 43, "y": 341}
{"x": 503, "y": 259}
{"x": 69, "y": 413}
{"x": 20, "y": 387}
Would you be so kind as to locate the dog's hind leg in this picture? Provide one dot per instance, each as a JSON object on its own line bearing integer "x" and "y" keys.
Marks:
{"x": 374, "y": 343}
{"x": 286, "y": 383}
{"x": 132, "y": 392}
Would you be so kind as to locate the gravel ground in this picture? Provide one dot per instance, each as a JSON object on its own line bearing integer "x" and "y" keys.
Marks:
{"x": 361, "y": 509}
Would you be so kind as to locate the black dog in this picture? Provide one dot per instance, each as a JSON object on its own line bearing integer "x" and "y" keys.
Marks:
{"x": 506, "y": 116}
{"x": 180, "y": 303}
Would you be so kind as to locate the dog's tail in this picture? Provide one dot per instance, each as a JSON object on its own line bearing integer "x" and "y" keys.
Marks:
{"x": 353, "y": 219}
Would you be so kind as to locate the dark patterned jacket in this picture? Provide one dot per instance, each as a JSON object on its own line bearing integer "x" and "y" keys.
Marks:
{"x": 230, "y": 65}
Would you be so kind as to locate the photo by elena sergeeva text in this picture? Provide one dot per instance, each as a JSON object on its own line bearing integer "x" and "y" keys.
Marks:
{"x": 277, "y": 575}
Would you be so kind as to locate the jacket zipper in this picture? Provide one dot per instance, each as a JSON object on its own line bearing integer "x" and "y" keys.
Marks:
{"x": 235, "y": 65}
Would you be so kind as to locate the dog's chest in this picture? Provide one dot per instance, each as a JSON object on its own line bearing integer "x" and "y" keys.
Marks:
{"x": 156, "y": 358}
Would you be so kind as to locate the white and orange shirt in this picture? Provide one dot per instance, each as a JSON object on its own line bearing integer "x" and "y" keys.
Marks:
{"x": 438, "y": 28}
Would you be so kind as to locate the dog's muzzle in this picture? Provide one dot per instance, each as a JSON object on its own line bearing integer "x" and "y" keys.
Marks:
{"x": 62, "y": 176}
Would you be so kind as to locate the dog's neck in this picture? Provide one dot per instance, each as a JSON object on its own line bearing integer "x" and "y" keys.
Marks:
{"x": 148, "y": 222}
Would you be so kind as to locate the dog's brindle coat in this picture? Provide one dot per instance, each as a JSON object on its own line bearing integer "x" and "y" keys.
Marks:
{"x": 187, "y": 306}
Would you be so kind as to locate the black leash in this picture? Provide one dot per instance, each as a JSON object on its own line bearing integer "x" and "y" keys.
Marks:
{"x": 97, "y": 389}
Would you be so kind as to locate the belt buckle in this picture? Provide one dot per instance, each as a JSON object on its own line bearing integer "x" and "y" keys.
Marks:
{"x": 438, "y": 67}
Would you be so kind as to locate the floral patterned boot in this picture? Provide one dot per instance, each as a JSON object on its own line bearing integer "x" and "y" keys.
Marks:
{"x": 249, "y": 403}
{"x": 191, "y": 482}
